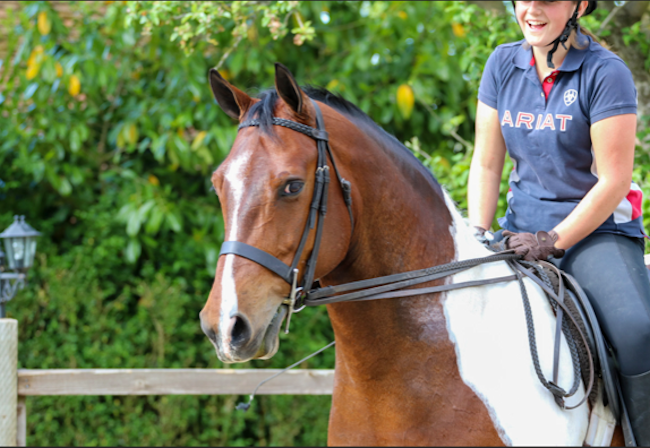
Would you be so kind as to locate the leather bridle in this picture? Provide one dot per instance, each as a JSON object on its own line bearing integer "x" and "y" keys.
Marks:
{"x": 317, "y": 211}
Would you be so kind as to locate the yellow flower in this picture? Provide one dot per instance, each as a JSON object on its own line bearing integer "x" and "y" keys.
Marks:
{"x": 74, "y": 85}
{"x": 32, "y": 70}
{"x": 34, "y": 62}
{"x": 44, "y": 25}
{"x": 458, "y": 29}
{"x": 59, "y": 70}
{"x": 133, "y": 134}
{"x": 225, "y": 74}
{"x": 332, "y": 84}
{"x": 198, "y": 140}
{"x": 405, "y": 100}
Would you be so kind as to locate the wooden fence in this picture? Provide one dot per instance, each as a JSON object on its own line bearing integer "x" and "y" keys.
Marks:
{"x": 163, "y": 382}
{"x": 17, "y": 384}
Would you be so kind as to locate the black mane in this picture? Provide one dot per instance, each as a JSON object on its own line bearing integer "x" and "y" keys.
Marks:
{"x": 263, "y": 111}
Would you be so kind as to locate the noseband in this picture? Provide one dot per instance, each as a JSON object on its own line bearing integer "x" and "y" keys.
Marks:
{"x": 316, "y": 217}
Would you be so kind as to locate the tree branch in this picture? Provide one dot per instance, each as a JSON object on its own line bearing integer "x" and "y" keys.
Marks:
{"x": 609, "y": 17}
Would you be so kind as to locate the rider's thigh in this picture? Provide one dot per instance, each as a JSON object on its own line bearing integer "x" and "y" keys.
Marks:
{"x": 611, "y": 270}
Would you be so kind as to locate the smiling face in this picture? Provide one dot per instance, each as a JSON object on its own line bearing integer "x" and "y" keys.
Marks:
{"x": 543, "y": 22}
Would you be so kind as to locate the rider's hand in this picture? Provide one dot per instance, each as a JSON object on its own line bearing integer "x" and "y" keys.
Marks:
{"x": 534, "y": 247}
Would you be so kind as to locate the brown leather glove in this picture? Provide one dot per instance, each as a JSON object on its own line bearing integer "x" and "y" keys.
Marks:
{"x": 534, "y": 247}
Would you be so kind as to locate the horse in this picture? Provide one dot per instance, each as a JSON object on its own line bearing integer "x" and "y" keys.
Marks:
{"x": 450, "y": 368}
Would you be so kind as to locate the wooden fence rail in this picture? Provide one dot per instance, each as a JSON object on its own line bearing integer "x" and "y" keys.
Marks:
{"x": 172, "y": 382}
{"x": 164, "y": 382}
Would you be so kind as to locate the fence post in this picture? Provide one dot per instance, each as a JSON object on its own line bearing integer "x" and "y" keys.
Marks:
{"x": 21, "y": 416}
{"x": 8, "y": 381}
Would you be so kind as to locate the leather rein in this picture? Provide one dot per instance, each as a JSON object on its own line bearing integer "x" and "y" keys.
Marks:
{"x": 390, "y": 286}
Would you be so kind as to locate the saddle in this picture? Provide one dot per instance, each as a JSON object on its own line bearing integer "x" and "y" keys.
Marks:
{"x": 555, "y": 282}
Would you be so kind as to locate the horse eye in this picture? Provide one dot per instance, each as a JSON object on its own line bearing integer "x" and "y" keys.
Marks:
{"x": 292, "y": 188}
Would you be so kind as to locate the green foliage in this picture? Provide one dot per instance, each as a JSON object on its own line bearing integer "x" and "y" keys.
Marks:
{"x": 109, "y": 136}
{"x": 219, "y": 23}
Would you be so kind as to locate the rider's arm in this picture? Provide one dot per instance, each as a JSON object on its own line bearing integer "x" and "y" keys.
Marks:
{"x": 613, "y": 142}
{"x": 486, "y": 168}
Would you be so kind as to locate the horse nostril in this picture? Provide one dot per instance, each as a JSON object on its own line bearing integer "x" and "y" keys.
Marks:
{"x": 209, "y": 332}
{"x": 240, "y": 331}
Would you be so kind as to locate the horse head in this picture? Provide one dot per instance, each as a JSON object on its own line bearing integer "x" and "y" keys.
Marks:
{"x": 265, "y": 188}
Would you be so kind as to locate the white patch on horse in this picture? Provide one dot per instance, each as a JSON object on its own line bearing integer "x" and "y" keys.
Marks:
{"x": 235, "y": 179}
{"x": 488, "y": 328}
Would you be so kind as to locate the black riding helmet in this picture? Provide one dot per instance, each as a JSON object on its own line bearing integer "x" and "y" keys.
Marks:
{"x": 570, "y": 25}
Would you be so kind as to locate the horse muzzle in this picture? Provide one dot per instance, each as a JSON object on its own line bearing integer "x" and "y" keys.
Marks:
{"x": 240, "y": 342}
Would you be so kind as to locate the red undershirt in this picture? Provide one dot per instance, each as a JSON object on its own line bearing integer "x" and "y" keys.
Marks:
{"x": 547, "y": 85}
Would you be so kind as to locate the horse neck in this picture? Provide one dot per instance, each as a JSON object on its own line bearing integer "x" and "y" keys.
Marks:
{"x": 402, "y": 224}
{"x": 403, "y": 212}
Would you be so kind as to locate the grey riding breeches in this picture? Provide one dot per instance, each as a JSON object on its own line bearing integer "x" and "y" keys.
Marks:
{"x": 611, "y": 270}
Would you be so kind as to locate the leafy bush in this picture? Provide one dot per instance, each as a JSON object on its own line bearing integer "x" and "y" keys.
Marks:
{"x": 108, "y": 139}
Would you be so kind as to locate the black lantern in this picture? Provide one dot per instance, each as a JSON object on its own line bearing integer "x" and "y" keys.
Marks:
{"x": 20, "y": 244}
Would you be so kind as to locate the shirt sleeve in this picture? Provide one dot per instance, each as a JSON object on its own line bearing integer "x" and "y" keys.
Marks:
{"x": 613, "y": 93}
{"x": 489, "y": 88}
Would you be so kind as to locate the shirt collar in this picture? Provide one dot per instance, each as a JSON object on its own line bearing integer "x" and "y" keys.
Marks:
{"x": 572, "y": 61}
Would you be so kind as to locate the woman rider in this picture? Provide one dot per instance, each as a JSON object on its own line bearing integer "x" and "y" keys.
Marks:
{"x": 564, "y": 108}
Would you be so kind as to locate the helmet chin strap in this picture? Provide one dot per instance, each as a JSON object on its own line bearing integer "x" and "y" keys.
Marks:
{"x": 570, "y": 25}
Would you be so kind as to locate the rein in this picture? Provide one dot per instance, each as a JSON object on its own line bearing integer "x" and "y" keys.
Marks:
{"x": 387, "y": 287}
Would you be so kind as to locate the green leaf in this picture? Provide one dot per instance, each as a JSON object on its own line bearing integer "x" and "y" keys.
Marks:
{"x": 173, "y": 221}
{"x": 144, "y": 208}
{"x": 133, "y": 223}
{"x": 64, "y": 186}
{"x": 29, "y": 91}
{"x": 133, "y": 250}
{"x": 155, "y": 220}
{"x": 75, "y": 140}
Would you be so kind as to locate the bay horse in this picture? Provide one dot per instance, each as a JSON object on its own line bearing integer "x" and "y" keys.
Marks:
{"x": 448, "y": 368}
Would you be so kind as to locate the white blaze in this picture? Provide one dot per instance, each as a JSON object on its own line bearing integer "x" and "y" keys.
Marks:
{"x": 235, "y": 178}
{"x": 488, "y": 328}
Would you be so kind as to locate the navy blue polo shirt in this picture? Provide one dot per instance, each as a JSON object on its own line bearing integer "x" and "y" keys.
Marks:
{"x": 548, "y": 139}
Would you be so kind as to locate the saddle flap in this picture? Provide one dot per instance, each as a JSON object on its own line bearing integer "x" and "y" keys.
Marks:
{"x": 605, "y": 361}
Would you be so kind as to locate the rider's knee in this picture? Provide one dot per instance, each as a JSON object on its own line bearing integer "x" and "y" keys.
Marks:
{"x": 634, "y": 354}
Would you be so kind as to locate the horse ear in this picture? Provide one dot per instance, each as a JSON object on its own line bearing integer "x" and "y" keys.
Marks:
{"x": 233, "y": 101}
{"x": 288, "y": 89}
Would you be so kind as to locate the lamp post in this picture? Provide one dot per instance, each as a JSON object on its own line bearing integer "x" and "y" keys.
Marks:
{"x": 20, "y": 246}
